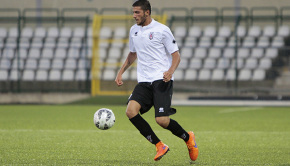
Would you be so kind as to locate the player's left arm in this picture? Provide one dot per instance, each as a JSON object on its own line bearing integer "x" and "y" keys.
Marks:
{"x": 175, "y": 62}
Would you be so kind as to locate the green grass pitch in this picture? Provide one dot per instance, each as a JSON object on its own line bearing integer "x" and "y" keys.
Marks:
{"x": 66, "y": 135}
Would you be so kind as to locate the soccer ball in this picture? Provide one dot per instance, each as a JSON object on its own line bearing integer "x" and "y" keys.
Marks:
{"x": 104, "y": 118}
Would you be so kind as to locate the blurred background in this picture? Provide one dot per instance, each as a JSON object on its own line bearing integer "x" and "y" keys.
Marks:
{"x": 60, "y": 51}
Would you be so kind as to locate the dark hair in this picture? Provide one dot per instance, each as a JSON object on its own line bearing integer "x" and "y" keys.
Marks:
{"x": 144, "y": 4}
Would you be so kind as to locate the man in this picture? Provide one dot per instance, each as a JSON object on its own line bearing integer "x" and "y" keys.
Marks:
{"x": 153, "y": 44}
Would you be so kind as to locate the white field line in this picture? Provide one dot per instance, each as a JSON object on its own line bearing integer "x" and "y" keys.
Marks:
{"x": 231, "y": 110}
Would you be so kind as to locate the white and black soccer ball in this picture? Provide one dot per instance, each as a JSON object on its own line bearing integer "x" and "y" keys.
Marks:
{"x": 104, "y": 118}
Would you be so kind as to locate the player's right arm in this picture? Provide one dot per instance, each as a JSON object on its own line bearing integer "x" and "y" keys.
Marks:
{"x": 132, "y": 56}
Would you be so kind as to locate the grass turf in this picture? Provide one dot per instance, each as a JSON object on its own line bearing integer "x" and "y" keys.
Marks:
{"x": 66, "y": 135}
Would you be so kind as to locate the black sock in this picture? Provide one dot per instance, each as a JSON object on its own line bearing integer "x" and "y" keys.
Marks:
{"x": 144, "y": 129}
{"x": 177, "y": 130}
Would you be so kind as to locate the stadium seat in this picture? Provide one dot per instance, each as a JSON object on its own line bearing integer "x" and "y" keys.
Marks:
{"x": 67, "y": 75}
{"x": 2, "y": 43}
{"x": 195, "y": 63}
{"x": 17, "y": 64}
{"x": 217, "y": 75}
{"x": 5, "y": 64}
{"x": 200, "y": 53}
{"x": 114, "y": 53}
{"x": 223, "y": 63}
{"x": 34, "y": 53}
{"x": 209, "y": 63}
{"x": 41, "y": 75}
{"x": 105, "y": 33}
{"x": 243, "y": 53}
{"x": 27, "y": 32}
{"x": 190, "y": 42}
{"x": 259, "y": 75}
{"x": 54, "y": 75}
{"x": 205, "y": 41}
{"x": 13, "y": 32}
{"x": 31, "y": 64}
{"x": 109, "y": 74}
{"x": 111, "y": 64}
{"x": 263, "y": 42}
{"x": 271, "y": 53}
{"x": 57, "y": 64}
{"x": 22, "y": 53}
{"x": 245, "y": 75}
{"x": 3, "y": 75}
{"x": 183, "y": 63}
{"x": 254, "y": 31}
{"x": 50, "y": 42}
{"x": 78, "y": 32}
{"x": 44, "y": 64}
{"x": 251, "y": 63}
{"x": 240, "y": 63}
{"x": 230, "y": 74}
{"x": 63, "y": 42}
{"x": 224, "y": 31}
{"x": 214, "y": 53}
{"x": 257, "y": 53}
{"x": 8, "y": 53}
{"x": 76, "y": 43}
{"x": 229, "y": 53}
{"x": 186, "y": 52}
{"x": 81, "y": 75}
{"x": 265, "y": 63}
{"x": 249, "y": 42}
{"x": 133, "y": 74}
{"x": 209, "y": 31}
{"x": 241, "y": 31}
{"x": 102, "y": 53}
{"x": 3, "y": 32}
{"x": 36, "y": 43}
{"x": 73, "y": 53}
{"x": 204, "y": 75}
{"x": 190, "y": 75}
{"x": 120, "y": 32}
{"x": 278, "y": 41}
{"x": 24, "y": 43}
{"x": 28, "y": 75}
{"x": 52, "y": 32}
{"x": 180, "y": 32}
{"x": 269, "y": 31}
{"x": 194, "y": 31}
{"x": 60, "y": 53}
{"x": 15, "y": 75}
{"x": 283, "y": 31}
{"x": 232, "y": 42}
{"x": 219, "y": 42}
{"x": 40, "y": 32}
{"x": 11, "y": 43}
{"x": 83, "y": 64}
{"x": 179, "y": 41}
{"x": 178, "y": 75}
{"x": 65, "y": 32}
{"x": 70, "y": 64}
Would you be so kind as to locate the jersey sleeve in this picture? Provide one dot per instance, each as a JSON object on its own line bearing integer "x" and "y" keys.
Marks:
{"x": 169, "y": 41}
{"x": 131, "y": 43}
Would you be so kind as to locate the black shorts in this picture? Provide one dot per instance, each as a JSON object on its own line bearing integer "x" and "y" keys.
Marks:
{"x": 157, "y": 94}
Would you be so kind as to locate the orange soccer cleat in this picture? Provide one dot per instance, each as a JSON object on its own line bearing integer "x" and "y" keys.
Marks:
{"x": 192, "y": 147}
{"x": 161, "y": 149}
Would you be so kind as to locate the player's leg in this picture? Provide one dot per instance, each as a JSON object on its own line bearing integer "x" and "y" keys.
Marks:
{"x": 162, "y": 103}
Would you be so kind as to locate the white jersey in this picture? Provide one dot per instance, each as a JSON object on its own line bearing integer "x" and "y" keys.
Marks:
{"x": 154, "y": 45}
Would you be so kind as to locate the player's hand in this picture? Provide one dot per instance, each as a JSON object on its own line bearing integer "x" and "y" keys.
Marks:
{"x": 118, "y": 80}
{"x": 167, "y": 76}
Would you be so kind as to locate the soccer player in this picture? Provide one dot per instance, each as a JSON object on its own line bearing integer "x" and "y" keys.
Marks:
{"x": 156, "y": 51}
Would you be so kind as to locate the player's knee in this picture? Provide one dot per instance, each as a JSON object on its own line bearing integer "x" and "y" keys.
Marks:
{"x": 163, "y": 121}
{"x": 131, "y": 113}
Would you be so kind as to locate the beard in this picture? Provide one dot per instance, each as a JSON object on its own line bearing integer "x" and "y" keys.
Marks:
{"x": 142, "y": 20}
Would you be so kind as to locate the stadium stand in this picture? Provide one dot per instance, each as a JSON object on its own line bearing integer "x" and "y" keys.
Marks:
{"x": 208, "y": 53}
